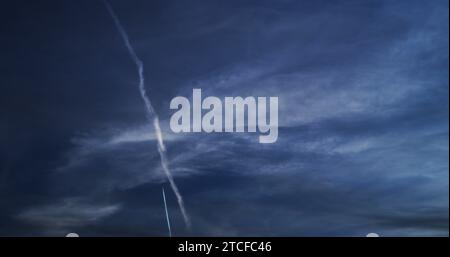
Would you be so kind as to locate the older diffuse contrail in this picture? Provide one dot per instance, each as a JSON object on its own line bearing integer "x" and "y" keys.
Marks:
{"x": 150, "y": 113}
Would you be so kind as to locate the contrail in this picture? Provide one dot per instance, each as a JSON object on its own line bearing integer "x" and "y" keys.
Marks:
{"x": 167, "y": 212}
{"x": 150, "y": 112}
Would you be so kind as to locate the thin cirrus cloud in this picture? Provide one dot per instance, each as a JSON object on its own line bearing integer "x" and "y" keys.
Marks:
{"x": 58, "y": 218}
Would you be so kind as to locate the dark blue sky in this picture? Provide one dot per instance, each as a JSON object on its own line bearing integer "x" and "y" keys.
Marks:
{"x": 363, "y": 130}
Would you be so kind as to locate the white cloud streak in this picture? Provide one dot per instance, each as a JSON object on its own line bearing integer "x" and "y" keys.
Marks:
{"x": 152, "y": 115}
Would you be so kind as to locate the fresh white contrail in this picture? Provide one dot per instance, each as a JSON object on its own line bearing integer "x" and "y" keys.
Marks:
{"x": 167, "y": 212}
{"x": 150, "y": 112}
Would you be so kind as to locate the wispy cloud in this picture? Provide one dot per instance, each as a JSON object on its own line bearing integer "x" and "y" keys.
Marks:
{"x": 69, "y": 213}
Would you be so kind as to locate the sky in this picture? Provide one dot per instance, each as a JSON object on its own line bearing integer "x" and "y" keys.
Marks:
{"x": 363, "y": 118}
